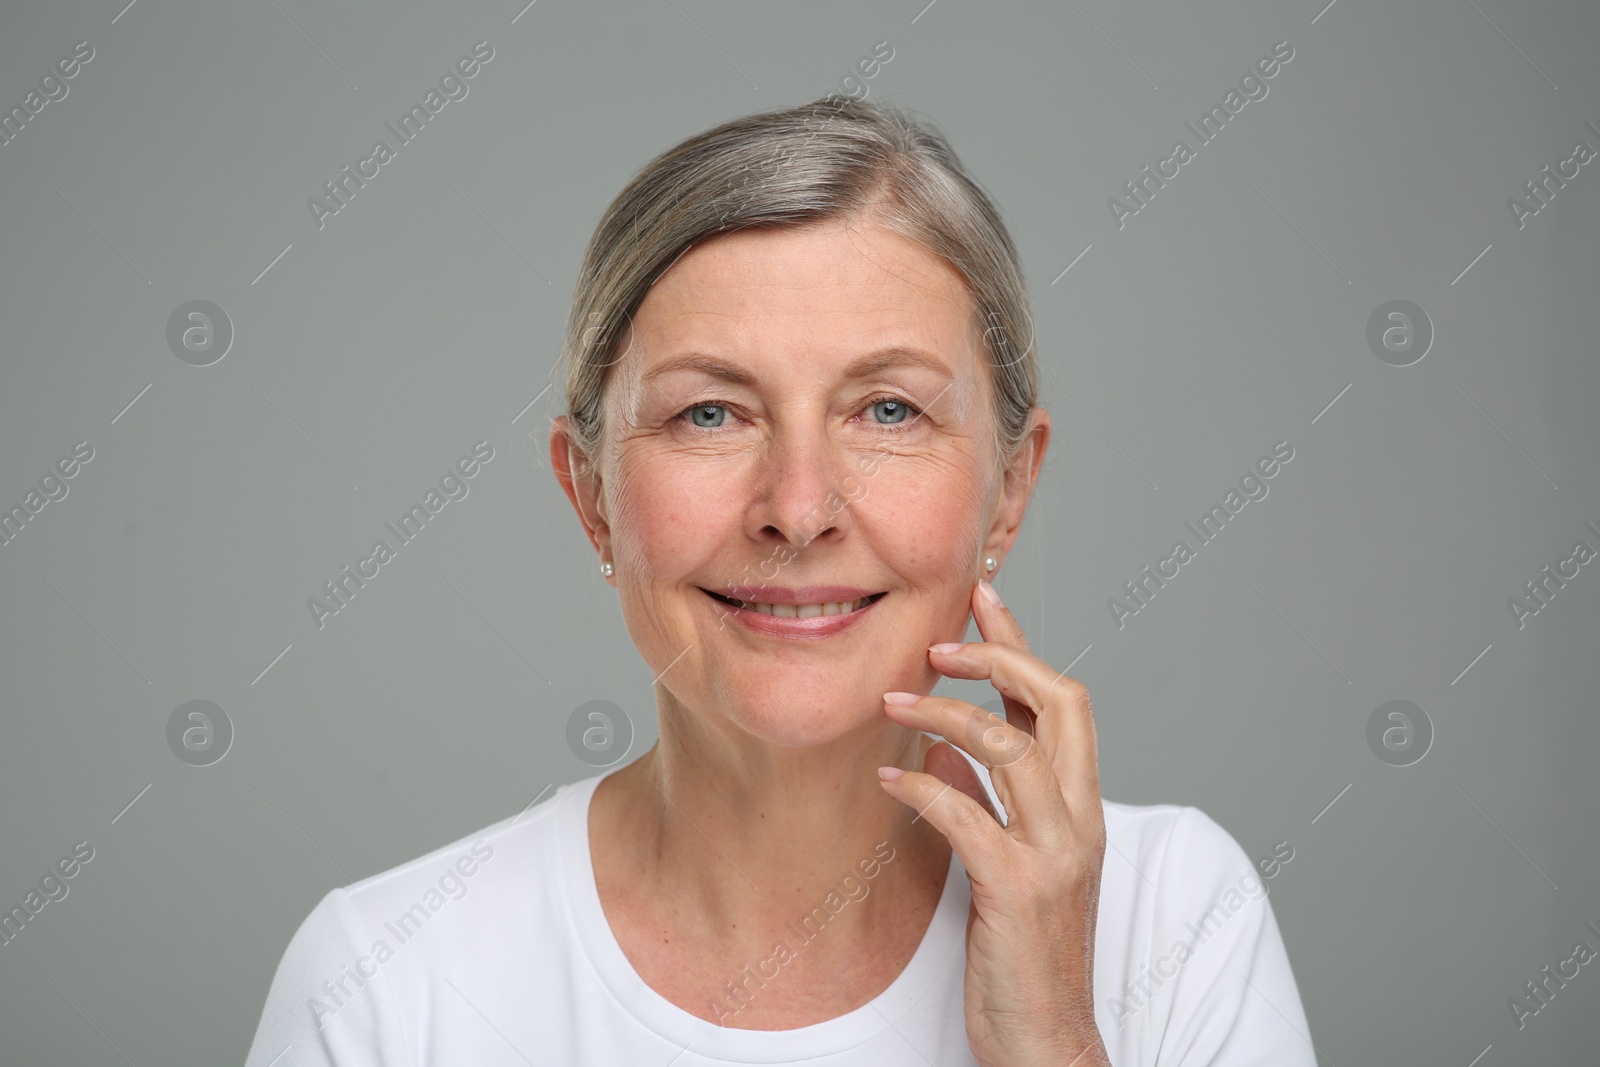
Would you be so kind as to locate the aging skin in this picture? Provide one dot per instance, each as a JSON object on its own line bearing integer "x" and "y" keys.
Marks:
{"x": 763, "y": 787}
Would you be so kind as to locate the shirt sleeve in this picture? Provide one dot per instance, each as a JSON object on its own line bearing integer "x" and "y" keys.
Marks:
{"x": 1216, "y": 950}
{"x": 330, "y": 1003}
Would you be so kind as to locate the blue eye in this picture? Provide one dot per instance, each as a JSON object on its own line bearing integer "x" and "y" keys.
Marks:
{"x": 707, "y": 416}
{"x": 888, "y": 411}
{"x": 893, "y": 411}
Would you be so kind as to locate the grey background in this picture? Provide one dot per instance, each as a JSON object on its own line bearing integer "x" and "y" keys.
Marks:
{"x": 1224, "y": 317}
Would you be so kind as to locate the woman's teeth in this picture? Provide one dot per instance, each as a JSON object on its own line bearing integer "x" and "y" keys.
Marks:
{"x": 808, "y": 611}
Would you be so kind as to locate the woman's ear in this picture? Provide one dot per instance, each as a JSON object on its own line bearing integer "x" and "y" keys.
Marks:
{"x": 581, "y": 482}
{"x": 1016, "y": 485}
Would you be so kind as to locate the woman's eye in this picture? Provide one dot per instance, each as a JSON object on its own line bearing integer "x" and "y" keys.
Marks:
{"x": 707, "y": 416}
{"x": 886, "y": 412}
{"x": 890, "y": 412}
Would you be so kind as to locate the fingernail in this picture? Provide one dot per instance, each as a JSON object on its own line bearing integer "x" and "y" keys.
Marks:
{"x": 900, "y": 698}
{"x": 988, "y": 592}
{"x": 889, "y": 774}
{"x": 944, "y": 648}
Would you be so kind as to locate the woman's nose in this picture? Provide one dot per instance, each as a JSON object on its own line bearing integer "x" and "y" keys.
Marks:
{"x": 799, "y": 492}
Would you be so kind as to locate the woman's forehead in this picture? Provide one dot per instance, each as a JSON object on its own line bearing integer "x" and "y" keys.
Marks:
{"x": 844, "y": 271}
{"x": 847, "y": 291}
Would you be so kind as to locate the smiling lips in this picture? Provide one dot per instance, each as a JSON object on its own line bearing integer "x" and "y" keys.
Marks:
{"x": 806, "y": 606}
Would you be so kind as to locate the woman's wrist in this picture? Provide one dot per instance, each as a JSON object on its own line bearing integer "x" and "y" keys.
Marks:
{"x": 1086, "y": 1051}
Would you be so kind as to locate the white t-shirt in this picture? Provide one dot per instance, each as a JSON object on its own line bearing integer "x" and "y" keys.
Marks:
{"x": 495, "y": 951}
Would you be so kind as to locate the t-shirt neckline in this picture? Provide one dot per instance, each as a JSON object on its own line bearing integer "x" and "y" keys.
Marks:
{"x": 945, "y": 934}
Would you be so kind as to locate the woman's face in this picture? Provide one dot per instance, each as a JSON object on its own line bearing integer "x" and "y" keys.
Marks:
{"x": 800, "y": 418}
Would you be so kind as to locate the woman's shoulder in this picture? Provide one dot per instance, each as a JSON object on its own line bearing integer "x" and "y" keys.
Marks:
{"x": 1177, "y": 846}
{"x": 474, "y": 882}
{"x": 1189, "y": 959}
{"x": 510, "y": 849}
{"x": 365, "y": 951}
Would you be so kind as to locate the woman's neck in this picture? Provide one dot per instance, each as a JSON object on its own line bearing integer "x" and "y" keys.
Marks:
{"x": 737, "y": 848}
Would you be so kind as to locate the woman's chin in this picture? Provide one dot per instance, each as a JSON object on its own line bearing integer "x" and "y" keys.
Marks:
{"x": 807, "y": 722}
{"x": 812, "y": 717}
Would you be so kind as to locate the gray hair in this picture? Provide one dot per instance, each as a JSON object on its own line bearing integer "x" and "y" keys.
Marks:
{"x": 835, "y": 157}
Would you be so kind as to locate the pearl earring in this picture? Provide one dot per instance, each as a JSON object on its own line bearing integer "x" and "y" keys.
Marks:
{"x": 607, "y": 569}
{"x": 989, "y": 564}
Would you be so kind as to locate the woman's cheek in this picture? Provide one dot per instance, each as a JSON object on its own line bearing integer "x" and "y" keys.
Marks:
{"x": 926, "y": 491}
{"x": 644, "y": 522}
{"x": 667, "y": 520}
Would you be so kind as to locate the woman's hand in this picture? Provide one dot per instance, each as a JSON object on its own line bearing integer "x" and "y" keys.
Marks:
{"x": 1036, "y": 880}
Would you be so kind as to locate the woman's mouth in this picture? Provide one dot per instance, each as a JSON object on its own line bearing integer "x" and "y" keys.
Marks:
{"x": 799, "y": 611}
{"x": 818, "y": 611}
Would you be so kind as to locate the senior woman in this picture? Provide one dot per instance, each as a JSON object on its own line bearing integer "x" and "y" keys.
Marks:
{"x": 801, "y": 435}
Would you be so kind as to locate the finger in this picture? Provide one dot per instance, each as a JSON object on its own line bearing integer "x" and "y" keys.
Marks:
{"x": 997, "y": 624}
{"x": 1020, "y": 677}
{"x": 946, "y": 764}
{"x": 1018, "y": 766}
{"x": 972, "y": 832}
{"x": 995, "y": 621}
{"x": 1059, "y": 705}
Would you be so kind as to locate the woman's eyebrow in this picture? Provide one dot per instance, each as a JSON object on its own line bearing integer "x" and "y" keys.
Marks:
{"x": 715, "y": 367}
{"x": 874, "y": 363}
{"x": 864, "y": 366}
